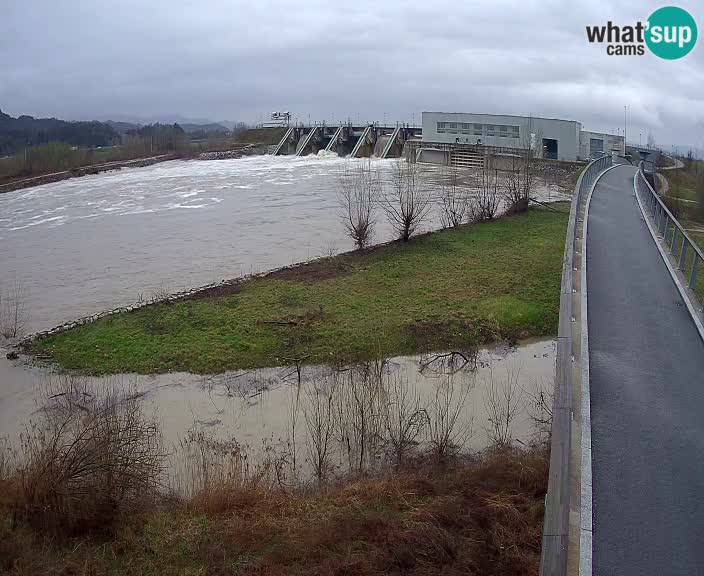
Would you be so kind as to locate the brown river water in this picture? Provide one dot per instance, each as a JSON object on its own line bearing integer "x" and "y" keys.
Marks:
{"x": 87, "y": 244}
{"x": 256, "y": 409}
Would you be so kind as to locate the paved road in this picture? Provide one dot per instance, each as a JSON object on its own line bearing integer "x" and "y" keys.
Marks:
{"x": 647, "y": 392}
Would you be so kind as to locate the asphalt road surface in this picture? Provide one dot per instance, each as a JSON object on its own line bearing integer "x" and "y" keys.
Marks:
{"x": 647, "y": 393}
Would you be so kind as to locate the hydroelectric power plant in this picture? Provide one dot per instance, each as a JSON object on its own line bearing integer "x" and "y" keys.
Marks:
{"x": 459, "y": 139}
{"x": 356, "y": 141}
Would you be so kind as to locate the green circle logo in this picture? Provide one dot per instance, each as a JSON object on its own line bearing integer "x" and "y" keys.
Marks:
{"x": 670, "y": 32}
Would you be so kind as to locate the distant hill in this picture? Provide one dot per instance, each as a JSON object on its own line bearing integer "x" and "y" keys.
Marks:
{"x": 122, "y": 127}
{"x": 24, "y": 131}
{"x": 207, "y": 128}
{"x": 234, "y": 125}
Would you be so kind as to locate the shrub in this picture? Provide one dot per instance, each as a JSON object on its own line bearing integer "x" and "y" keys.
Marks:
{"x": 91, "y": 456}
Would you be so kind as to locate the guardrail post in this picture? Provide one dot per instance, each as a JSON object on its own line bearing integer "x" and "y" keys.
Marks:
{"x": 673, "y": 247}
{"x": 683, "y": 255}
{"x": 658, "y": 217}
{"x": 695, "y": 269}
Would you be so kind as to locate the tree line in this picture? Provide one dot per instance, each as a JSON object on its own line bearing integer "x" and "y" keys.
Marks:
{"x": 22, "y": 132}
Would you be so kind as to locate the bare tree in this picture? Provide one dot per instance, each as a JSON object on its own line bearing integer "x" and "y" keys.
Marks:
{"x": 449, "y": 428}
{"x": 404, "y": 418}
{"x": 91, "y": 456}
{"x": 319, "y": 412}
{"x": 454, "y": 201}
{"x": 487, "y": 197}
{"x": 13, "y": 311}
{"x": 407, "y": 204}
{"x": 518, "y": 184}
{"x": 539, "y": 407}
{"x": 360, "y": 188}
{"x": 358, "y": 410}
{"x": 503, "y": 402}
{"x": 520, "y": 180}
{"x": 293, "y": 376}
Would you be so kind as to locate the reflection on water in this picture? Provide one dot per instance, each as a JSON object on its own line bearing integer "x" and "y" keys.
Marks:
{"x": 89, "y": 244}
{"x": 493, "y": 397}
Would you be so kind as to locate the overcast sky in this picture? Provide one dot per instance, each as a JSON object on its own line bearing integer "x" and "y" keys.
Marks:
{"x": 368, "y": 60}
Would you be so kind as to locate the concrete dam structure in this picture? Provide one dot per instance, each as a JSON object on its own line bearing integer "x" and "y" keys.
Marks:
{"x": 348, "y": 140}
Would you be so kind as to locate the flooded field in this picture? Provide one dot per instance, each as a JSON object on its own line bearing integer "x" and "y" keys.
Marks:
{"x": 501, "y": 394}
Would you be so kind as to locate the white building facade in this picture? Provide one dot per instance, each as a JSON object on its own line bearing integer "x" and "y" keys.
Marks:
{"x": 550, "y": 137}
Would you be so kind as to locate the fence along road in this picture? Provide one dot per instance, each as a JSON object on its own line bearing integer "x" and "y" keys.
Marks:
{"x": 646, "y": 364}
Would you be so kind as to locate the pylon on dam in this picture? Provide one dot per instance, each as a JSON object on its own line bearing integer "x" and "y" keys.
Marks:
{"x": 347, "y": 140}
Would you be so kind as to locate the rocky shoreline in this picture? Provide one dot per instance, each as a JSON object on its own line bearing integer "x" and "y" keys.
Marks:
{"x": 82, "y": 171}
{"x": 25, "y": 342}
{"x": 248, "y": 150}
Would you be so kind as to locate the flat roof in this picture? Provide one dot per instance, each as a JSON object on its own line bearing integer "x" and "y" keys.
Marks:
{"x": 504, "y": 115}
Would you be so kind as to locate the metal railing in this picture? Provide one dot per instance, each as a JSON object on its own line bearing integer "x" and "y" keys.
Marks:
{"x": 687, "y": 256}
{"x": 565, "y": 453}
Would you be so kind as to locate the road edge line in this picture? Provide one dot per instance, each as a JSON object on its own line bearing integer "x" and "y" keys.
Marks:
{"x": 587, "y": 513}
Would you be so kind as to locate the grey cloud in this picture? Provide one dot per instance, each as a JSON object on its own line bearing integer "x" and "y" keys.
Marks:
{"x": 221, "y": 59}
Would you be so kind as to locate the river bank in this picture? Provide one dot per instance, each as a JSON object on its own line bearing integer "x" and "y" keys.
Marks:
{"x": 360, "y": 468}
{"x": 82, "y": 171}
{"x": 177, "y": 225}
{"x": 480, "y": 515}
{"x": 453, "y": 288}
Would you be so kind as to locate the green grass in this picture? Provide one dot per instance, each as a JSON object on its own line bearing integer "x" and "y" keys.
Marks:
{"x": 698, "y": 237}
{"x": 476, "y": 284}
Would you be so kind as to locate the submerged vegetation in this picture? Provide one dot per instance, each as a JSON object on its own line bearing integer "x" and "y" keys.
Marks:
{"x": 91, "y": 489}
{"x": 469, "y": 284}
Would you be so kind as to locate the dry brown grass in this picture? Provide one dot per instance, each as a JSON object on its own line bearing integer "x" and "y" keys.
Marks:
{"x": 90, "y": 457}
{"x": 480, "y": 516}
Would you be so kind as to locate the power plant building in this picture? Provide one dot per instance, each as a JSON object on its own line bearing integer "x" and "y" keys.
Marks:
{"x": 550, "y": 138}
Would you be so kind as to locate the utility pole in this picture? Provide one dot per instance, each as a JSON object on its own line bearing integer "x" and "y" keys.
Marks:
{"x": 625, "y": 108}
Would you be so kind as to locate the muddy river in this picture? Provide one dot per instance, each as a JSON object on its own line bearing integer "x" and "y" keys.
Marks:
{"x": 88, "y": 244}
{"x": 268, "y": 410}
{"x": 84, "y": 245}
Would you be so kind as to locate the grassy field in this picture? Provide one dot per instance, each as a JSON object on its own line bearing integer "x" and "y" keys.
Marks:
{"x": 683, "y": 182}
{"x": 477, "y": 284}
